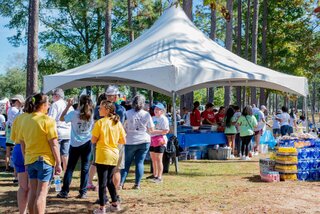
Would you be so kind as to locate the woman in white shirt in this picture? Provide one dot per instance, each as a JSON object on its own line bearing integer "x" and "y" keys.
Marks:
{"x": 284, "y": 120}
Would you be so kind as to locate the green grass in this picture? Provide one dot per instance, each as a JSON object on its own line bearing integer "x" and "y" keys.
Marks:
{"x": 200, "y": 187}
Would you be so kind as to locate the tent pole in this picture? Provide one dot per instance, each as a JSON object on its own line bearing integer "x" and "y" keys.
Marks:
{"x": 174, "y": 114}
{"x": 306, "y": 112}
{"x": 175, "y": 123}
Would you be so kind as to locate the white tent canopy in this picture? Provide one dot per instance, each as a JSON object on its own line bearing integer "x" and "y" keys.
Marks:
{"x": 173, "y": 56}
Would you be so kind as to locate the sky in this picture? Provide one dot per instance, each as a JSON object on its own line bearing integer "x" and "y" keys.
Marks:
{"x": 8, "y": 53}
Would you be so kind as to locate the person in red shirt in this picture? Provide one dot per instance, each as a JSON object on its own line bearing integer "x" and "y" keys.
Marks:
{"x": 219, "y": 119}
{"x": 195, "y": 117}
{"x": 208, "y": 115}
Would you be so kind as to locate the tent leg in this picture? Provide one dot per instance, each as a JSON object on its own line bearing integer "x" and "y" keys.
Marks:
{"x": 175, "y": 130}
{"x": 306, "y": 112}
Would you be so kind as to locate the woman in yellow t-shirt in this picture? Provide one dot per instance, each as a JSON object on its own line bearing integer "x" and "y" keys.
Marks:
{"x": 107, "y": 133}
{"x": 40, "y": 149}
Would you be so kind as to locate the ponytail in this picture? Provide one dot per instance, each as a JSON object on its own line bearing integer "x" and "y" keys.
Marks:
{"x": 112, "y": 114}
{"x": 86, "y": 108}
{"x": 34, "y": 102}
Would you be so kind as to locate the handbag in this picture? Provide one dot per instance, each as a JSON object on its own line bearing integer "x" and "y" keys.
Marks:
{"x": 157, "y": 140}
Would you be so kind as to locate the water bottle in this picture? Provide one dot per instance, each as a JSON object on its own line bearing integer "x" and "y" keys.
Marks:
{"x": 57, "y": 183}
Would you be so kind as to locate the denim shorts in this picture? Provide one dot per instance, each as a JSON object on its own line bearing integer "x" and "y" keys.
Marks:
{"x": 276, "y": 131}
{"x": 40, "y": 170}
{"x": 17, "y": 159}
{"x": 64, "y": 146}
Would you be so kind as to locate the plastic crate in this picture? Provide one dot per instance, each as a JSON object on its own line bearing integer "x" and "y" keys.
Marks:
{"x": 270, "y": 176}
{"x": 224, "y": 153}
{"x": 212, "y": 154}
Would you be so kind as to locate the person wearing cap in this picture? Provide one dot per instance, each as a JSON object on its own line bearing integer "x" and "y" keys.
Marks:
{"x": 138, "y": 126}
{"x": 63, "y": 128}
{"x": 113, "y": 96}
{"x": 158, "y": 141}
{"x": 258, "y": 131}
{"x": 17, "y": 102}
{"x": 276, "y": 124}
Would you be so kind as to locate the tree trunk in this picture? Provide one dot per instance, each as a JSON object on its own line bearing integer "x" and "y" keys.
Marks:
{"x": 213, "y": 29}
{"x": 246, "y": 52}
{"x": 151, "y": 98}
{"x": 131, "y": 37}
{"x": 187, "y": 7}
{"x": 188, "y": 98}
{"x": 254, "y": 44}
{"x": 264, "y": 46}
{"x": 32, "y": 55}
{"x": 244, "y": 96}
{"x": 99, "y": 42}
{"x": 313, "y": 101}
{"x": 239, "y": 29}
{"x": 107, "y": 31}
{"x": 227, "y": 89}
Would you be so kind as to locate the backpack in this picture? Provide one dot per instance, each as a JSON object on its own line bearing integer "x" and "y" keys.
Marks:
{"x": 172, "y": 146}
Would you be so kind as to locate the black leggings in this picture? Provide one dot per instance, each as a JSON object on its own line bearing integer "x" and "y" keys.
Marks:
{"x": 245, "y": 143}
{"x": 105, "y": 180}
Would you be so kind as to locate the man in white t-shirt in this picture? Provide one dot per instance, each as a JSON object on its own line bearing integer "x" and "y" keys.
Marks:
{"x": 63, "y": 128}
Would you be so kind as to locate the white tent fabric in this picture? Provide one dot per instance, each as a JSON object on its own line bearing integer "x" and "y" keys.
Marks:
{"x": 173, "y": 56}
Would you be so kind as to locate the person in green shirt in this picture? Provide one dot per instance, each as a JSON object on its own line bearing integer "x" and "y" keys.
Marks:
{"x": 230, "y": 129}
{"x": 247, "y": 123}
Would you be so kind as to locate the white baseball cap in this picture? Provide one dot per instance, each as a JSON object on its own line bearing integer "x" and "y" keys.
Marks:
{"x": 112, "y": 90}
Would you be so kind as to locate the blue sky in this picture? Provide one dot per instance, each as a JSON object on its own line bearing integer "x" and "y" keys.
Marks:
{"x": 8, "y": 53}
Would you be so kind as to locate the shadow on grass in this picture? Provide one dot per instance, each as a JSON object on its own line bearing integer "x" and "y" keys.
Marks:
{"x": 254, "y": 179}
{"x": 8, "y": 202}
{"x": 220, "y": 161}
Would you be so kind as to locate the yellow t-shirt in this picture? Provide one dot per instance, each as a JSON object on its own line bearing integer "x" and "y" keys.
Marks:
{"x": 108, "y": 135}
{"x": 37, "y": 129}
{"x": 15, "y": 128}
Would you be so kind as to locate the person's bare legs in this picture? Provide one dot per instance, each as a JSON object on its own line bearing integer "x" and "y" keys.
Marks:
{"x": 7, "y": 159}
{"x": 159, "y": 164}
{"x": 32, "y": 195}
{"x": 257, "y": 142}
{"x": 154, "y": 166}
{"x": 41, "y": 198}
{"x": 64, "y": 160}
{"x": 92, "y": 172}
{"x": 22, "y": 193}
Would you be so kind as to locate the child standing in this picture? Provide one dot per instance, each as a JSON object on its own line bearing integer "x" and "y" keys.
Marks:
{"x": 107, "y": 133}
{"x": 158, "y": 141}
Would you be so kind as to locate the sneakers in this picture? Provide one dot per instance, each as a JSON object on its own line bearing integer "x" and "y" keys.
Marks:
{"x": 62, "y": 195}
{"x": 91, "y": 187}
{"x": 243, "y": 157}
{"x": 247, "y": 158}
{"x": 150, "y": 177}
{"x": 157, "y": 180}
{"x": 100, "y": 211}
{"x": 82, "y": 196}
{"x": 256, "y": 153}
{"x": 136, "y": 186}
{"x": 232, "y": 157}
{"x": 112, "y": 208}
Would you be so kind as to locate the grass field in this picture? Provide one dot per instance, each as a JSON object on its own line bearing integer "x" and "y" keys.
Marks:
{"x": 200, "y": 187}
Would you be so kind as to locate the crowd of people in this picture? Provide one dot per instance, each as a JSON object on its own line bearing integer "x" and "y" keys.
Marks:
{"x": 48, "y": 139}
{"x": 243, "y": 127}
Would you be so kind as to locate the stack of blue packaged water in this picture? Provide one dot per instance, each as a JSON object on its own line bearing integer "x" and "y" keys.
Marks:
{"x": 309, "y": 162}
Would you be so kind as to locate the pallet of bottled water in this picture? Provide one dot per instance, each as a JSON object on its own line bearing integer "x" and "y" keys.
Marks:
{"x": 309, "y": 163}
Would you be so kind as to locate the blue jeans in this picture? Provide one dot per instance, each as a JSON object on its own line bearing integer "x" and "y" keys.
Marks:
{"x": 83, "y": 152}
{"x": 284, "y": 130}
{"x": 138, "y": 153}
